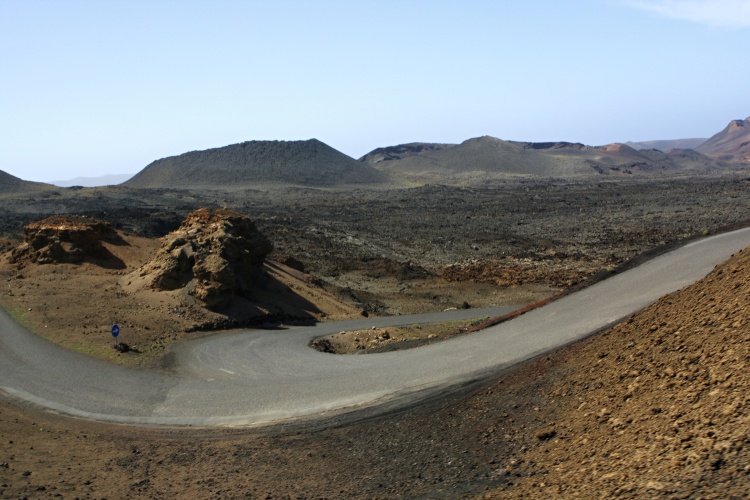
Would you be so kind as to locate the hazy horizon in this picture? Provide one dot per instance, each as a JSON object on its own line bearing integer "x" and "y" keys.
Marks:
{"x": 106, "y": 88}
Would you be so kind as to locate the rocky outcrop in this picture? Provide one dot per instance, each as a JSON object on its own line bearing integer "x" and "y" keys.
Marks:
{"x": 64, "y": 239}
{"x": 214, "y": 255}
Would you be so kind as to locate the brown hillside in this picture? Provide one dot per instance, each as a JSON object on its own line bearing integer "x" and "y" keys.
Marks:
{"x": 656, "y": 406}
{"x": 252, "y": 163}
{"x": 732, "y": 143}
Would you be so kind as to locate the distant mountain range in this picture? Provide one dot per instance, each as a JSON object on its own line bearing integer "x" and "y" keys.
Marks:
{"x": 475, "y": 161}
{"x": 12, "y": 184}
{"x": 731, "y": 144}
{"x": 667, "y": 145}
{"x": 103, "y": 180}
{"x": 258, "y": 163}
{"x": 485, "y": 159}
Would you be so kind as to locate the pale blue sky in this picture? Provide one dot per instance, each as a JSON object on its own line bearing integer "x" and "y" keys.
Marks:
{"x": 101, "y": 87}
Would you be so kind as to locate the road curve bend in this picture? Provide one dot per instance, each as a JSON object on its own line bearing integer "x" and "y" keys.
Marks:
{"x": 253, "y": 377}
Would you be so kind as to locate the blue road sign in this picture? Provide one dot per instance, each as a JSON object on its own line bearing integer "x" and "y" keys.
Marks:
{"x": 115, "y": 331}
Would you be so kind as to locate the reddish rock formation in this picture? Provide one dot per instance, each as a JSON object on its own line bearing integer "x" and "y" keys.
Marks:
{"x": 214, "y": 255}
{"x": 64, "y": 239}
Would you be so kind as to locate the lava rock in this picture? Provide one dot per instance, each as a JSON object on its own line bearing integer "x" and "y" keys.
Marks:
{"x": 214, "y": 255}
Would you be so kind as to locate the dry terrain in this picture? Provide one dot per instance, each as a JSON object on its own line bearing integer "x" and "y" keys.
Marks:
{"x": 376, "y": 242}
{"x": 75, "y": 304}
{"x": 654, "y": 407}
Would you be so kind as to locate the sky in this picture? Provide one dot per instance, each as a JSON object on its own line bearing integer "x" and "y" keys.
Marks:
{"x": 94, "y": 87}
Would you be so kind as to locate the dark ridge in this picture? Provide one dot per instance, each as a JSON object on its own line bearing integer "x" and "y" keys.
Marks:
{"x": 554, "y": 145}
{"x": 11, "y": 184}
{"x": 400, "y": 151}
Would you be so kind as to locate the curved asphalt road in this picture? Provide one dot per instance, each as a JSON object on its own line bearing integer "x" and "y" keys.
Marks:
{"x": 257, "y": 376}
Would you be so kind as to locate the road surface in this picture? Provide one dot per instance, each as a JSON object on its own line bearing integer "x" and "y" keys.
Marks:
{"x": 253, "y": 377}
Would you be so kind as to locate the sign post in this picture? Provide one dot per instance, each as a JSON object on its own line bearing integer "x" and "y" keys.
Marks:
{"x": 115, "y": 333}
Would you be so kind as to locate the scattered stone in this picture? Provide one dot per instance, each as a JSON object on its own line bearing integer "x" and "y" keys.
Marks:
{"x": 546, "y": 434}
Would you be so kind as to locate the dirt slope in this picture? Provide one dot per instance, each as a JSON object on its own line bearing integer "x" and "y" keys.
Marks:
{"x": 656, "y": 407}
{"x": 732, "y": 143}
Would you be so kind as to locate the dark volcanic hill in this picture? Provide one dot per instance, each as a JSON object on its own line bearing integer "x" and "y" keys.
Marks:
{"x": 300, "y": 163}
{"x": 732, "y": 143}
{"x": 389, "y": 153}
{"x": 12, "y": 184}
{"x": 485, "y": 159}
